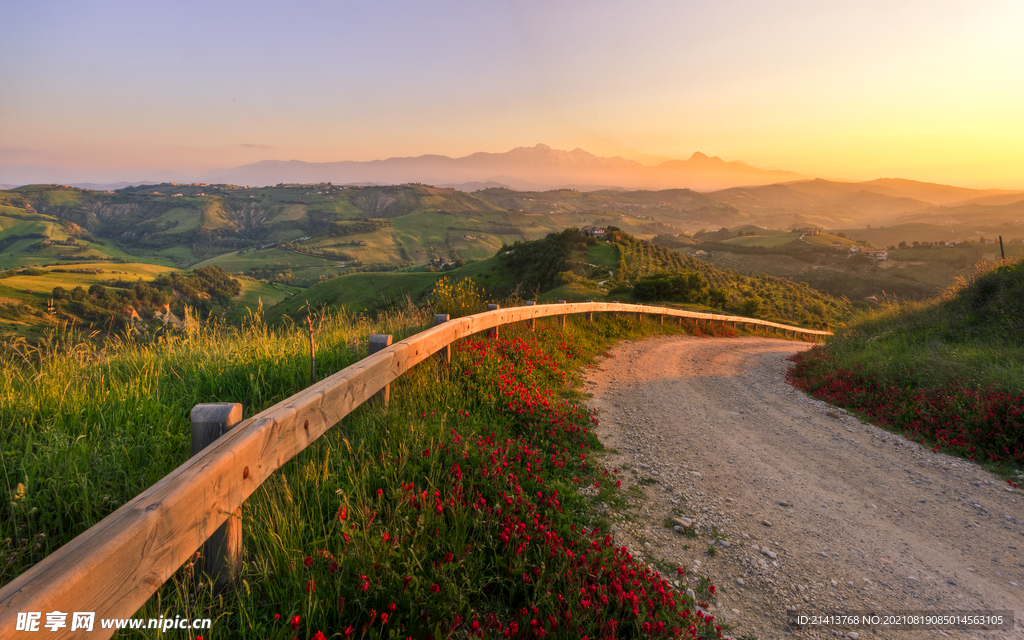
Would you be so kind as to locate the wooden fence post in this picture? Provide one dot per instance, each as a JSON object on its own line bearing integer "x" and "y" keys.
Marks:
{"x": 222, "y": 553}
{"x": 661, "y": 320}
{"x": 378, "y": 342}
{"x": 446, "y": 352}
{"x": 590, "y": 314}
{"x": 312, "y": 352}
{"x": 493, "y": 331}
{"x": 531, "y": 323}
{"x": 561, "y": 318}
{"x": 616, "y": 316}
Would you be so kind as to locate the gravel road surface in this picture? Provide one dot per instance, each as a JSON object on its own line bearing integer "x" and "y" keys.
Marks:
{"x": 808, "y": 510}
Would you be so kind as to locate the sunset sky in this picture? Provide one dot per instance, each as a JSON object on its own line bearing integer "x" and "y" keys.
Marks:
{"x": 928, "y": 90}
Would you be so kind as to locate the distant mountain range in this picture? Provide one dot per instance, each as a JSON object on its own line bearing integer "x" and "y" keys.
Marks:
{"x": 524, "y": 168}
{"x": 532, "y": 168}
{"x": 541, "y": 168}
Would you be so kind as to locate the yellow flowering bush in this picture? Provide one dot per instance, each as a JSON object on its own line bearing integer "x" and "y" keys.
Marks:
{"x": 462, "y": 298}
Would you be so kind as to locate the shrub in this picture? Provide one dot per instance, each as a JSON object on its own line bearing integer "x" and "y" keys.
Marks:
{"x": 463, "y": 298}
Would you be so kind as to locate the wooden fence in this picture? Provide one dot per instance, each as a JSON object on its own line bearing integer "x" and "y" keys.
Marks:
{"x": 114, "y": 567}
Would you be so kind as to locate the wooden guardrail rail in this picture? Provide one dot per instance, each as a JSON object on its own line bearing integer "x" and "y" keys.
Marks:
{"x": 115, "y": 566}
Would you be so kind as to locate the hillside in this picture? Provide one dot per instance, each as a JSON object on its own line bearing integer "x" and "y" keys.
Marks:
{"x": 946, "y": 372}
{"x": 572, "y": 266}
{"x": 866, "y": 265}
{"x": 299, "y": 235}
{"x": 313, "y": 231}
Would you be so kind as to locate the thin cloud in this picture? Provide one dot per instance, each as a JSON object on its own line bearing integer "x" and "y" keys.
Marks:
{"x": 250, "y": 145}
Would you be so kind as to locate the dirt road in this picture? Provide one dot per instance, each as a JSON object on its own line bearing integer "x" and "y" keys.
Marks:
{"x": 814, "y": 511}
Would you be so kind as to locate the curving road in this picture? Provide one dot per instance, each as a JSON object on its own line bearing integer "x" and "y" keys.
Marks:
{"x": 820, "y": 512}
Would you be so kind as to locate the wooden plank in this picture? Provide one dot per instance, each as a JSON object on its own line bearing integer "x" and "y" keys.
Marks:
{"x": 116, "y": 565}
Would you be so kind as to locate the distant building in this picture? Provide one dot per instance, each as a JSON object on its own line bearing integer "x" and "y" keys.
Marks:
{"x": 837, "y": 245}
{"x": 593, "y": 232}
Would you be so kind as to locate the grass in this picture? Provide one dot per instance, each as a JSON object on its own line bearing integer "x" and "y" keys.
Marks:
{"x": 179, "y": 220}
{"x": 455, "y": 509}
{"x": 604, "y": 254}
{"x": 68, "y": 278}
{"x": 359, "y": 292}
{"x": 945, "y": 372}
{"x": 965, "y": 334}
{"x": 254, "y": 296}
{"x": 237, "y": 262}
{"x": 775, "y": 240}
{"x": 87, "y": 426}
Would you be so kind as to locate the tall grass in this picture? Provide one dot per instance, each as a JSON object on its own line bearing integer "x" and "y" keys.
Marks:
{"x": 973, "y": 333}
{"x": 86, "y": 425}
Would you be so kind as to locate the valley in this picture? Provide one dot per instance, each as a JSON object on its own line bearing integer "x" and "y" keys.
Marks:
{"x": 370, "y": 248}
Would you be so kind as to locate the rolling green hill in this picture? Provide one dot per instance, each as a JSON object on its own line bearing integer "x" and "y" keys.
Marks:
{"x": 572, "y": 266}
{"x": 187, "y": 225}
{"x": 313, "y": 234}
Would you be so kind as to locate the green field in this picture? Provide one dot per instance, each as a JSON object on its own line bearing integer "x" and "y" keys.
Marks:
{"x": 254, "y": 294}
{"x": 603, "y": 253}
{"x": 65, "y": 277}
{"x": 50, "y": 227}
{"x": 358, "y": 292}
{"x": 426, "y": 235}
{"x": 239, "y": 262}
{"x": 179, "y": 220}
{"x": 827, "y": 240}
{"x": 776, "y": 240}
{"x": 11, "y": 295}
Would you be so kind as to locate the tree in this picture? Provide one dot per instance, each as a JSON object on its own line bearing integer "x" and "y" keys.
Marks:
{"x": 751, "y": 306}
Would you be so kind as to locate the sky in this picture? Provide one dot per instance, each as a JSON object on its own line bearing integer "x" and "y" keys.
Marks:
{"x": 109, "y": 90}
